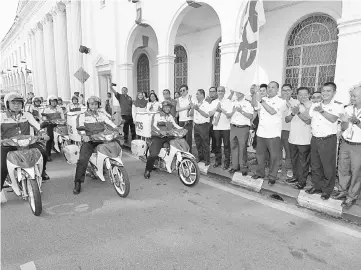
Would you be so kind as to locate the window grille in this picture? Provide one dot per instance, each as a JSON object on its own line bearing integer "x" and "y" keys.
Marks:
{"x": 180, "y": 67}
{"x": 217, "y": 66}
{"x": 143, "y": 80}
{"x": 311, "y": 53}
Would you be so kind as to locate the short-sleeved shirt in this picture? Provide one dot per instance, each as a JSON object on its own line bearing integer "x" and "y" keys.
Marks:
{"x": 300, "y": 132}
{"x": 125, "y": 103}
{"x": 224, "y": 122}
{"x": 238, "y": 118}
{"x": 270, "y": 126}
{"x": 320, "y": 126}
{"x": 353, "y": 132}
{"x": 293, "y": 103}
{"x": 184, "y": 102}
{"x": 197, "y": 117}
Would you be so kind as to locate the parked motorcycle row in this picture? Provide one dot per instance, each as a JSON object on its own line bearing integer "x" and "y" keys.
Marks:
{"x": 25, "y": 164}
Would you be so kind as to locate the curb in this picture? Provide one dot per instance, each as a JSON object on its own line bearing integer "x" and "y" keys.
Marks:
{"x": 286, "y": 193}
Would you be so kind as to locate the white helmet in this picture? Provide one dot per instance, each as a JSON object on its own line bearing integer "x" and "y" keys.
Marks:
{"x": 12, "y": 96}
{"x": 52, "y": 97}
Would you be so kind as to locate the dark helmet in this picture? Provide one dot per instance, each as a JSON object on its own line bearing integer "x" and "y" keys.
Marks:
{"x": 75, "y": 97}
{"x": 93, "y": 99}
{"x": 167, "y": 103}
{"x": 11, "y": 97}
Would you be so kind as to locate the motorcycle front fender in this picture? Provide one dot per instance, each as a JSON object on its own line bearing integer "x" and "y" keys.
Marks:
{"x": 30, "y": 172}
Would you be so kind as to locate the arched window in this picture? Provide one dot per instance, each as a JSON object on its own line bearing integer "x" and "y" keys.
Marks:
{"x": 143, "y": 74}
{"x": 180, "y": 67}
{"x": 311, "y": 52}
{"x": 217, "y": 65}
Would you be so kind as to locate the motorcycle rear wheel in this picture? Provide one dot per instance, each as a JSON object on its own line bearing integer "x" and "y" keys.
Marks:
{"x": 34, "y": 196}
{"x": 190, "y": 177}
{"x": 120, "y": 180}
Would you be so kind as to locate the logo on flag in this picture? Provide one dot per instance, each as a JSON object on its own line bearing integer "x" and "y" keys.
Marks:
{"x": 245, "y": 67}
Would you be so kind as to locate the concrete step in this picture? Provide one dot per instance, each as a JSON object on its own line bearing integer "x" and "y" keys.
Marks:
{"x": 280, "y": 191}
{"x": 353, "y": 214}
{"x": 247, "y": 182}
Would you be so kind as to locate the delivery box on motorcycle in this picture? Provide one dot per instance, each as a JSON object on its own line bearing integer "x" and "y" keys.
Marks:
{"x": 143, "y": 123}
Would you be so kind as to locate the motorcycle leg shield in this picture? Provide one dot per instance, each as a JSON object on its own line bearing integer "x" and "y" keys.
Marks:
{"x": 12, "y": 171}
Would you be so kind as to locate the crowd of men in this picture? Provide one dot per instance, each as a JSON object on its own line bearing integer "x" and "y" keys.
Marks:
{"x": 308, "y": 128}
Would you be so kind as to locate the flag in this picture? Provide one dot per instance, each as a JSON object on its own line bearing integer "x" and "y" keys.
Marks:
{"x": 245, "y": 69}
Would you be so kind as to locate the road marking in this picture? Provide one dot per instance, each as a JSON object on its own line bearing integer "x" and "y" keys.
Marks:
{"x": 28, "y": 266}
{"x": 282, "y": 207}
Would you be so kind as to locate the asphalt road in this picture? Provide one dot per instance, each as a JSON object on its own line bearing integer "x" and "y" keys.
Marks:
{"x": 165, "y": 225}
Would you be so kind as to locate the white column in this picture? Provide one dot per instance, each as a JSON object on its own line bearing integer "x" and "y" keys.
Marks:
{"x": 61, "y": 51}
{"x": 40, "y": 61}
{"x": 49, "y": 55}
{"x": 348, "y": 51}
{"x": 33, "y": 63}
{"x": 166, "y": 73}
{"x": 76, "y": 38}
{"x": 69, "y": 31}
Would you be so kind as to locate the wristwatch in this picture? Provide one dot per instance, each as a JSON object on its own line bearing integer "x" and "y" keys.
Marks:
{"x": 358, "y": 122}
{"x": 292, "y": 114}
{"x": 322, "y": 111}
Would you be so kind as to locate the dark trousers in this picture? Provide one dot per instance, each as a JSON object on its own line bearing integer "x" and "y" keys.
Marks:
{"x": 6, "y": 149}
{"x": 154, "y": 149}
{"x": 222, "y": 135}
{"x": 50, "y": 142}
{"x": 128, "y": 123}
{"x": 273, "y": 146}
{"x": 239, "y": 139}
{"x": 323, "y": 163}
{"x": 201, "y": 137}
{"x": 86, "y": 151}
{"x": 211, "y": 136}
{"x": 188, "y": 125}
{"x": 300, "y": 158}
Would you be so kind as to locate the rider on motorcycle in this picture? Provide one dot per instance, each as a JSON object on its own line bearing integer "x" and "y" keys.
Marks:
{"x": 163, "y": 122}
{"x": 61, "y": 105}
{"x": 93, "y": 122}
{"x": 51, "y": 112}
{"x": 15, "y": 122}
{"x": 74, "y": 105}
{"x": 34, "y": 108}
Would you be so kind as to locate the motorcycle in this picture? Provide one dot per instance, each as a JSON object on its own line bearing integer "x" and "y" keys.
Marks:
{"x": 107, "y": 156}
{"x": 173, "y": 157}
{"x": 25, "y": 167}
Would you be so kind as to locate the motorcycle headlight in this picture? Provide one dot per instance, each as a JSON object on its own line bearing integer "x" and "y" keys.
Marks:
{"x": 23, "y": 143}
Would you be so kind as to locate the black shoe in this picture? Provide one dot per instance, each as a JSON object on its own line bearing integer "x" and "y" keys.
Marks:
{"x": 147, "y": 174}
{"x": 340, "y": 196}
{"x": 77, "y": 188}
{"x": 271, "y": 182}
{"x": 255, "y": 176}
{"x": 44, "y": 176}
{"x": 325, "y": 196}
{"x": 312, "y": 190}
{"x": 347, "y": 203}
{"x": 299, "y": 186}
{"x": 217, "y": 165}
{"x": 291, "y": 180}
{"x": 50, "y": 159}
{"x": 244, "y": 173}
{"x": 232, "y": 171}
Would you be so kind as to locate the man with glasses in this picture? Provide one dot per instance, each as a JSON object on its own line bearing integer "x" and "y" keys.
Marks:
{"x": 185, "y": 119}
{"x": 212, "y": 96}
{"x": 286, "y": 94}
{"x": 220, "y": 110}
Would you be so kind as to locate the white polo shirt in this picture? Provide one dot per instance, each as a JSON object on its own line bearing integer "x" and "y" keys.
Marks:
{"x": 238, "y": 118}
{"x": 320, "y": 126}
{"x": 270, "y": 126}
{"x": 197, "y": 117}
{"x": 292, "y": 103}
{"x": 300, "y": 132}
{"x": 353, "y": 132}
{"x": 184, "y": 102}
{"x": 224, "y": 123}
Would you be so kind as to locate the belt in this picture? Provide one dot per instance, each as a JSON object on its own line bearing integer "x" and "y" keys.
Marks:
{"x": 324, "y": 138}
{"x": 351, "y": 143}
{"x": 242, "y": 126}
{"x": 202, "y": 123}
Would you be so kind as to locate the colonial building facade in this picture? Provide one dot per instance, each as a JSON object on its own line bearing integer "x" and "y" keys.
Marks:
{"x": 160, "y": 44}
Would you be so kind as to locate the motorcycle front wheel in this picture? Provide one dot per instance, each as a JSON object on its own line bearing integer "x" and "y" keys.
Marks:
{"x": 188, "y": 172}
{"x": 34, "y": 197}
{"x": 120, "y": 180}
